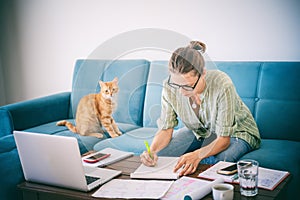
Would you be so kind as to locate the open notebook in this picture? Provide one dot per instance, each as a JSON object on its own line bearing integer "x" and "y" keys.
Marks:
{"x": 267, "y": 178}
{"x": 162, "y": 170}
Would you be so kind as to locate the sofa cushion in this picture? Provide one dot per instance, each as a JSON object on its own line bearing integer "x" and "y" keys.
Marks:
{"x": 244, "y": 75}
{"x": 52, "y": 129}
{"x": 132, "y": 75}
{"x": 132, "y": 141}
{"x": 280, "y": 155}
{"x": 48, "y": 128}
{"x": 85, "y": 80}
{"x": 278, "y": 107}
{"x": 157, "y": 73}
{"x": 86, "y": 143}
{"x": 279, "y": 80}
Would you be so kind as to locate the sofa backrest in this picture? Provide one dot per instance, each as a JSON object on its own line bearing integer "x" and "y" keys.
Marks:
{"x": 278, "y": 108}
{"x": 269, "y": 89}
{"x": 245, "y": 78}
{"x": 157, "y": 74}
{"x": 132, "y": 75}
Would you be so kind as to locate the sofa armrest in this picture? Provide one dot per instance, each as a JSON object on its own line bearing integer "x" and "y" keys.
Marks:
{"x": 27, "y": 114}
{"x": 6, "y": 124}
{"x": 11, "y": 171}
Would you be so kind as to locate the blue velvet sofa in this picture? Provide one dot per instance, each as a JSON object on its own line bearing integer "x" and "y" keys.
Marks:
{"x": 271, "y": 90}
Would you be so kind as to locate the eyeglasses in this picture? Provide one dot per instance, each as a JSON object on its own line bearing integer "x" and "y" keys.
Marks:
{"x": 185, "y": 87}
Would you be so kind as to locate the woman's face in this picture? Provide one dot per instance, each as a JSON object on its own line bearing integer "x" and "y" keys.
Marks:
{"x": 188, "y": 79}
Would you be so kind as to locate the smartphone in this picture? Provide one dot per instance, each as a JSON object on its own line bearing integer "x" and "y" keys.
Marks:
{"x": 232, "y": 169}
{"x": 96, "y": 157}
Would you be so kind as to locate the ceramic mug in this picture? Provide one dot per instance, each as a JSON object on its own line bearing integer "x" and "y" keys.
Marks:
{"x": 222, "y": 191}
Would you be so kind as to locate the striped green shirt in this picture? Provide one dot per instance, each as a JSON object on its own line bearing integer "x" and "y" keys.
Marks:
{"x": 221, "y": 111}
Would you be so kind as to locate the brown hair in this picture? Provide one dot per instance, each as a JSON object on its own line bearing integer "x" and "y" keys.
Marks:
{"x": 186, "y": 59}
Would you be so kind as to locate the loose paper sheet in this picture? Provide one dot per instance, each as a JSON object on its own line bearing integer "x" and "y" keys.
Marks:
{"x": 162, "y": 170}
{"x": 138, "y": 189}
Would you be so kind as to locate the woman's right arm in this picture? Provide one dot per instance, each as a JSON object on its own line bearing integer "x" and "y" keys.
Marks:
{"x": 160, "y": 141}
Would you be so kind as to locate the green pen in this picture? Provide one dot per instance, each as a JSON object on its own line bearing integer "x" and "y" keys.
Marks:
{"x": 148, "y": 148}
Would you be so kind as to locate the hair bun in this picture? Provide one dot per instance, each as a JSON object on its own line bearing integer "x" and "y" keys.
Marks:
{"x": 200, "y": 46}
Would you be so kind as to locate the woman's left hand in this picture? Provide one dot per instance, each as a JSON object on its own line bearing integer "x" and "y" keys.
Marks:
{"x": 188, "y": 162}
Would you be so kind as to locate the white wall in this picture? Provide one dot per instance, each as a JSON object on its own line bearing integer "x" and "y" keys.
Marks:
{"x": 52, "y": 34}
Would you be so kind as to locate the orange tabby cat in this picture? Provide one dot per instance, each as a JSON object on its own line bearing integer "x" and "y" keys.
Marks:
{"x": 95, "y": 111}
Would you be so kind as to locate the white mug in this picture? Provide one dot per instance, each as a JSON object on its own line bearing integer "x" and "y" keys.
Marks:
{"x": 222, "y": 191}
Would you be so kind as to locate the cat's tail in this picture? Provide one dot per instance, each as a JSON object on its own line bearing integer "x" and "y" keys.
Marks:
{"x": 69, "y": 125}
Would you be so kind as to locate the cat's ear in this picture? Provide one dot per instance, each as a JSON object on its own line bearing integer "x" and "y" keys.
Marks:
{"x": 115, "y": 80}
{"x": 100, "y": 83}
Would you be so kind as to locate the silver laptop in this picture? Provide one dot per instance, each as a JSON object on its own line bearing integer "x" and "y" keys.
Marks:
{"x": 56, "y": 160}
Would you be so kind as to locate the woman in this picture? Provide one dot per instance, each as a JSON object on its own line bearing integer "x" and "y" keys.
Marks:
{"x": 218, "y": 125}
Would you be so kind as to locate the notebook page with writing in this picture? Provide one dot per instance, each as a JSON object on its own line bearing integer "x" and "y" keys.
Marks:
{"x": 162, "y": 170}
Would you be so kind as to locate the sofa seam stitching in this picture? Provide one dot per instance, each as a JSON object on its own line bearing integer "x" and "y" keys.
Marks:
{"x": 256, "y": 99}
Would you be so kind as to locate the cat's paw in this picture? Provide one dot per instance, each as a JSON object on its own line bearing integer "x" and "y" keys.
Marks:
{"x": 114, "y": 135}
{"x": 119, "y": 133}
{"x": 99, "y": 135}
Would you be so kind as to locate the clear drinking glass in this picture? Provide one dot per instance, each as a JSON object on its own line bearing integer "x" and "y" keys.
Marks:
{"x": 248, "y": 177}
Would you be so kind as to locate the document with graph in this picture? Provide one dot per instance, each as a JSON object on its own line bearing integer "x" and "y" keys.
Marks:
{"x": 133, "y": 189}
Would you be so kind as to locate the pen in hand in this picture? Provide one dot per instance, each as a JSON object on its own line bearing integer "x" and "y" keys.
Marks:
{"x": 148, "y": 148}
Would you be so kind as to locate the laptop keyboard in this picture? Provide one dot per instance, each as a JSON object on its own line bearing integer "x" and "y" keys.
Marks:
{"x": 91, "y": 179}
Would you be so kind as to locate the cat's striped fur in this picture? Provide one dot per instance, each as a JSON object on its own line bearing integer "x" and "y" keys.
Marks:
{"x": 94, "y": 111}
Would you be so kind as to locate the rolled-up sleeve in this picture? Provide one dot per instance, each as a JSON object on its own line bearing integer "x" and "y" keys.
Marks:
{"x": 225, "y": 123}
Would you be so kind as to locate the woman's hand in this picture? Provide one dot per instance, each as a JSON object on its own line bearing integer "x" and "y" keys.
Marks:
{"x": 188, "y": 162}
{"x": 147, "y": 160}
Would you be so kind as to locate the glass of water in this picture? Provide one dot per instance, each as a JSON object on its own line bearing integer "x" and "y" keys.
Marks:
{"x": 248, "y": 177}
